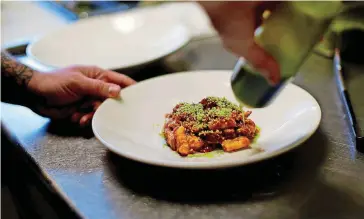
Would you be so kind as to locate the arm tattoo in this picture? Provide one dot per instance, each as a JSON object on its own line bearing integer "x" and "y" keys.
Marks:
{"x": 15, "y": 78}
{"x": 18, "y": 72}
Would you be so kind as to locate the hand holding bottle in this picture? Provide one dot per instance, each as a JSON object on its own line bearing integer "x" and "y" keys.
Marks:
{"x": 275, "y": 50}
{"x": 236, "y": 23}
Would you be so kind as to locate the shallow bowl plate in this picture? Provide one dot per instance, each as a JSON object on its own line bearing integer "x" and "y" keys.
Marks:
{"x": 131, "y": 126}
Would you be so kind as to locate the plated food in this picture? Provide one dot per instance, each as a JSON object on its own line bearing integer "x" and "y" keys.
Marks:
{"x": 213, "y": 123}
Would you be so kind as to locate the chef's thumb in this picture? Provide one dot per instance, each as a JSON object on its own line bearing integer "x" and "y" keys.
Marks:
{"x": 98, "y": 88}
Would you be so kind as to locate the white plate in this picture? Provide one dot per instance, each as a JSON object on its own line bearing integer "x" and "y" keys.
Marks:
{"x": 130, "y": 126}
{"x": 117, "y": 41}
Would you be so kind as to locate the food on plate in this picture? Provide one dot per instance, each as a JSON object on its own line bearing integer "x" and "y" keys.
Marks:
{"x": 213, "y": 123}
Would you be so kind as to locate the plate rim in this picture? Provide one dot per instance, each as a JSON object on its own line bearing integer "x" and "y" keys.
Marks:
{"x": 183, "y": 43}
{"x": 207, "y": 165}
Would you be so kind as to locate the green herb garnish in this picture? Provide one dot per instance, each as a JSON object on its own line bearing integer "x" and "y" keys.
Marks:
{"x": 200, "y": 117}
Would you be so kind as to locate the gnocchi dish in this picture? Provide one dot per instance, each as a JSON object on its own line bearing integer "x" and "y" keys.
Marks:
{"x": 211, "y": 124}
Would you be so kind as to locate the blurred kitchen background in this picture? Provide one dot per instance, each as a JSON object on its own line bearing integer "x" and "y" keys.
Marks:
{"x": 24, "y": 20}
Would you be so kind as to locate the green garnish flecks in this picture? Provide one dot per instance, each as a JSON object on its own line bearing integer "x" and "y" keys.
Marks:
{"x": 195, "y": 112}
{"x": 224, "y": 108}
{"x": 219, "y": 112}
{"x": 222, "y": 102}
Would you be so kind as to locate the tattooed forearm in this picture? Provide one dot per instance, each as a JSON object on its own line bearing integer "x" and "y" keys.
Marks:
{"x": 14, "y": 70}
{"x": 15, "y": 78}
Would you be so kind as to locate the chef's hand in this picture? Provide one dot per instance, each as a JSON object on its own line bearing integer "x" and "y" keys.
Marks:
{"x": 75, "y": 93}
{"x": 236, "y": 23}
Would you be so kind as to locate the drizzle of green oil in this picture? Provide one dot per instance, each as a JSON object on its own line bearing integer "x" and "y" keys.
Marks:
{"x": 156, "y": 125}
{"x": 210, "y": 154}
{"x": 257, "y": 135}
{"x": 161, "y": 134}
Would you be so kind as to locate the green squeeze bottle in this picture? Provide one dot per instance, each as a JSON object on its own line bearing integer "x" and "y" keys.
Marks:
{"x": 288, "y": 34}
